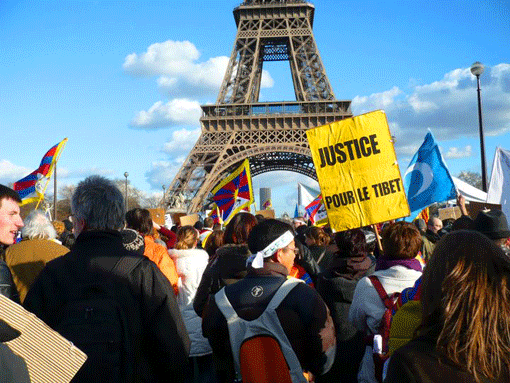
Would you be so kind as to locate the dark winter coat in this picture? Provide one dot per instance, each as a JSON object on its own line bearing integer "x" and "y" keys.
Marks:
{"x": 338, "y": 293}
{"x": 321, "y": 256}
{"x": 303, "y": 315}
{"x": 7, "y": 286}
{"x": 419, "y": 362}
{"x": 155, "y": 325}
{"x": 228, "y": 266}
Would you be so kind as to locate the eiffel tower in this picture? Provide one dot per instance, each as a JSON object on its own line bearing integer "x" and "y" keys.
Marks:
{"x": 238, "y": 126}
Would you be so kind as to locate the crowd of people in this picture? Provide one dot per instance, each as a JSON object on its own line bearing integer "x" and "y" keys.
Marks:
{"x": 260, "y": 300}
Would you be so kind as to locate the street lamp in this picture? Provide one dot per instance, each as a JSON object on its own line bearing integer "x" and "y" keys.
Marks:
{"x": 477, "y": 69}
{"x": 126, "y": 174}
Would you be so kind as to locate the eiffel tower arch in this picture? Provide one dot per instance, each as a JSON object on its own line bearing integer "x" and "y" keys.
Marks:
{"x": 238, "y": 126}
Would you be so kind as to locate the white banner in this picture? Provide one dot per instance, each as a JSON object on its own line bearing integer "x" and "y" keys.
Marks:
{"x": 499, "y": 187}
{"x": 306, "y": 195}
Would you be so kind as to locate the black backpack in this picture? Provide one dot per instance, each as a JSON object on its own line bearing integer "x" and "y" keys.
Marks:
{"x": 96, "y": 322}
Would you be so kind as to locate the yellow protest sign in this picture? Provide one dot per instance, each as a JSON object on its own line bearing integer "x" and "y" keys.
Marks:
{"x": 358, "y": 172}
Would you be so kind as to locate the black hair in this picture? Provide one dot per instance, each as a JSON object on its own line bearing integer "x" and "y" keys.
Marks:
{"x": 139, "y": 220}
{"x": 266, "y": 232}
{"x": 8, "y": 193}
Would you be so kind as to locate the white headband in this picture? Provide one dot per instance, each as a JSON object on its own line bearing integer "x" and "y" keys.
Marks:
{"x": 257, "y": 260}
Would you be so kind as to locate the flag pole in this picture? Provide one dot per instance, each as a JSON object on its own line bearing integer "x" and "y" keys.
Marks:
{"x": 55, "y": 193}
{"x": 38, "y": 201}
{"x": 379, "y": 244}
{"x": 41, "y": 196}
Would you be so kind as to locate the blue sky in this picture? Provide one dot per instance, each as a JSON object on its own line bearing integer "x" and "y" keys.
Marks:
{"x": 123, "y": 80}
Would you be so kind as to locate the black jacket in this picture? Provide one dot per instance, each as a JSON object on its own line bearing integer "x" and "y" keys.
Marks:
{"x": 419, "y": 362}
{"x": 338, "y": 293}
{"x": 156, "y": 328}
{"x": 227, "y": 267}
{"x": 7, "y": 286}
{"x": 303, "y": 315}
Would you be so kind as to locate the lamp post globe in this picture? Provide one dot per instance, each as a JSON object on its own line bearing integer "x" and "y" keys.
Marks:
{"x": 477, "y": 69}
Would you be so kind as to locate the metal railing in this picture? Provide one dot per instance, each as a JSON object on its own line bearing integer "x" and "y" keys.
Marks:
{"x": 276, "y": 108}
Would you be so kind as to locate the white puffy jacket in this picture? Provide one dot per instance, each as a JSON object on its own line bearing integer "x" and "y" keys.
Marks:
{"x": 190, "y": 265}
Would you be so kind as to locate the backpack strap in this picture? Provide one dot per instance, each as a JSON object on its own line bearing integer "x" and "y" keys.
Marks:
{"x": 224, "y": 305}
{"x": 387, "y": 300}
{"x": 126, "y": 265}
{"x": 389, "y": 303}
{"x": 282, "y": 292}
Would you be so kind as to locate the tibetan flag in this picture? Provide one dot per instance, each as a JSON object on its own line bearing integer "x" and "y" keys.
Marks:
{"x": 234, "y": 193}
{"x": 316, "y": 212}
{"x": 267, "y": 205}
{"x": 30, "y": 188}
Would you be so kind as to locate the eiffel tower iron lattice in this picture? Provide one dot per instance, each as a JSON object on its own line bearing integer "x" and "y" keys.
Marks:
{"x": 238, "y": 126}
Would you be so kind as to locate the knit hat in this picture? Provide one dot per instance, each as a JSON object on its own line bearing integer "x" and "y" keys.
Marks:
{"x": 132, "y": 241}
{"x": 492, "y": 223}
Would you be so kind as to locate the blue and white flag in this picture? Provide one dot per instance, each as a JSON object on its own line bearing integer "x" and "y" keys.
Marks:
{"x": 427, "y": 179}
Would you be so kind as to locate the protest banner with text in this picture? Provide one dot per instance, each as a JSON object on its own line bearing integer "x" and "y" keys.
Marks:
{"x": 358, "y": 171}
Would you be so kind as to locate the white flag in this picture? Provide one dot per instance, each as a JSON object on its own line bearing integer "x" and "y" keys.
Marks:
{"x": 469, "y": 192}
{"x": 499, "y": 187}
{"x": 306, "y": 195}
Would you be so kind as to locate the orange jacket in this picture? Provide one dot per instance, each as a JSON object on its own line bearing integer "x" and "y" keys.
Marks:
{"x": 158, "y": 254}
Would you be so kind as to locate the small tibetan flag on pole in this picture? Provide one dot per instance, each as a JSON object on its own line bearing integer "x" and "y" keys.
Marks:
{"x": 235, "y": 192}
{"x": 31, "y": 188}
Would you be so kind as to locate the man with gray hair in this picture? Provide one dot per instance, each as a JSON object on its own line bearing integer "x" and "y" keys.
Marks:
{"x": 27, "y": 258}
{"x": 112, "y": 303}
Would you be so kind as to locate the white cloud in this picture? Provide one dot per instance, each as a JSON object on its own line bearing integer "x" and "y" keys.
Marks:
{"x": 10, "y": 172}
{"x": 163, "y": 172}
{"x": 375, "y": 101}
{"x": 421, "y": 106}
{"x": 455, "y": 152}
{"x": 182, "y": 141}
{"x": 180, "y": 73}
{"x": 174, "y": 112}
{"x": 447, "y": 107}
{"x": 169, "y": 57}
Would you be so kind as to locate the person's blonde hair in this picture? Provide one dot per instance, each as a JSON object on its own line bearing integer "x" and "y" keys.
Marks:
{"x": 59, "y": 227}
{"x": 466, "y": 297}
{"x": 187, "y": 237}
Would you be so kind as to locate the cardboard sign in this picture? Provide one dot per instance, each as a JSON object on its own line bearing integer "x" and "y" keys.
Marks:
{"x": 189, "y": 220}
{"x": 49, "y": 357}
{"x": 449, "y": 212}
{"x": 158, "y": 216}
{"x": 358, "y": 172}
{"x": 267, "y": 213}
{"x": 474, "y": 208}
{"x": 176, "y": 218}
